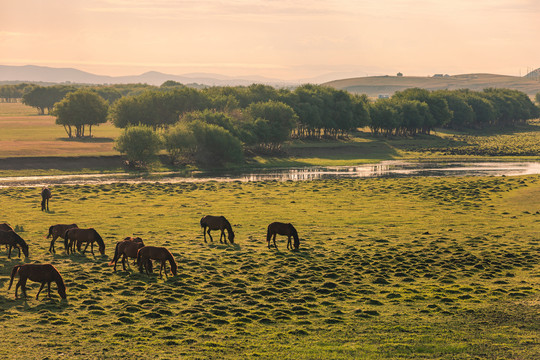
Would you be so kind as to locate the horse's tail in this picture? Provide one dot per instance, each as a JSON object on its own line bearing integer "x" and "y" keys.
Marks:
{"x": 268, "y": 233}
{"x": 100, "y": 241}
{"x": 13, "y": 273}
{"x": 50, "y": 232}
{"x": 139, "y": 257}
{"x": 295, "y": 236}
{"x": 66, "y": 239}
{"x": 172, "y": 262}
{"x": 116, "y": 254}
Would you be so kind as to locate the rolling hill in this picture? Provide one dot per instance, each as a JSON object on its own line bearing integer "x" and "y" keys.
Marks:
{"x": 386, "y": 85}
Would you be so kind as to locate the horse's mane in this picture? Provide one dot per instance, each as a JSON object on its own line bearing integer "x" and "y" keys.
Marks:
{"x": 172, "y": 262}
{"x": 59, "y": 282}
{"x": 294, "y": 233}
{"x": 99, "y": 239}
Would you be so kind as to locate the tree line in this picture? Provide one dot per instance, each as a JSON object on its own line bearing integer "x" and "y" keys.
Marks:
{"x": 218, "y": 124}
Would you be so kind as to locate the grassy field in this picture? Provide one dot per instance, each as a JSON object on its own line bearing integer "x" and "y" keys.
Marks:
{"x": 443, "y": 268}
{"x": 374, "y": 86}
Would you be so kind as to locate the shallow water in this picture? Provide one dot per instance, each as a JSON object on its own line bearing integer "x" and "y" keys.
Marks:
{"x": 383, "y": 169}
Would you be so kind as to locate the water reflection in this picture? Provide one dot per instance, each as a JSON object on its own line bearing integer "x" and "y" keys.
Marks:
{"x": 383, "y": 169}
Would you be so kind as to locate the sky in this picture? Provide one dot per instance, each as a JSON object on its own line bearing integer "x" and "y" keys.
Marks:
{"x": 280, "y": 39}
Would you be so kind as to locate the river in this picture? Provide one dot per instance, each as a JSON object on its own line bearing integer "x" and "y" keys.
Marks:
{"x": 383, "y": 169}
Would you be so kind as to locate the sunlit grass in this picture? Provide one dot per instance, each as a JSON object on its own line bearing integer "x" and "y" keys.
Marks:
{"x": 388, "y": 268}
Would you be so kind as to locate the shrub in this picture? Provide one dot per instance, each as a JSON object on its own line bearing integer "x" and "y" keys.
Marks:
{"x": 215, "y": 145}
{"x": 179, "y": 142}
{"x": 140, "y": 144}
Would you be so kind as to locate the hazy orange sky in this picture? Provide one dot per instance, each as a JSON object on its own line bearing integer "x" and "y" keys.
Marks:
{"x": 286, "y": 39}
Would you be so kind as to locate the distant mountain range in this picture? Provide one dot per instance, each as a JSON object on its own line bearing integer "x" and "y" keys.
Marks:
{"x": 370, "y": 85}
{"x": 32, "y": 73}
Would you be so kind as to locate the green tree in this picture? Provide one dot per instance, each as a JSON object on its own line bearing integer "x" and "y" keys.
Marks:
{"x": 215, "y": 145}
{"x": 179, "y": 141}
{"x": 44, "y": 97}
{"x": 281, "y": 120}
{"x": 78, "y": 109}
{"x": 140, "y": 144}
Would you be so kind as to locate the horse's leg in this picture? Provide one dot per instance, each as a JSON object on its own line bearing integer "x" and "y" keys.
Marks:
{"x": 161, "y": 266}
{"x": 9, "y": 252}
{"x": 123, "y": 262}
{"x": 86, "y": 247}
{"x": 211, "y": 239}
{"x": 41, "y": 288}
{"x": 49, "y": 288}
{"x": 204, "y": 233}
{"x": 18, "y": 248}
{"x": 22, "y": 284}
{"x": 289, "y": 242}
{"x": 275, "y": 245}
{"x": 92, "y": 248}
{"x": 47, "y": 204}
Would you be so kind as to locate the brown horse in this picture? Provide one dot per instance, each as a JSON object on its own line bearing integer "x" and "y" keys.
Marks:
{"x": 282, "y": 229}
{"x": 12, "y": 239}
{"x": 76, "y": 237}
{"x": 147, "y": 253}
{"x": 57, "y": 231}
{"x": 217, "y": 223}
{"x": 6, "y": 227}
{"x": 41, "y": 273}
{"x": 45, "y": 196}
{"x": 127, "y": 248}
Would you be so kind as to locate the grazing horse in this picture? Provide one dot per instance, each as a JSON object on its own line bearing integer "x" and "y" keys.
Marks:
{"x": 6, "y": 227}
{"x": 282, "y": 229}
{"x": 217, "y": 223}
{"x": 78, "y": 236}
{"x": 12, "y": 239}
{"x": 45, "y": 196}
{"x": 148, "y": 253}
{"x": 57, "y": 231}
{"x": 127, "y": 248}
{"x": 41, "y": 273}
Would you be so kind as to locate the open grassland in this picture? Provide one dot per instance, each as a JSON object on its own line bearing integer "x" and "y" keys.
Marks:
{"x": 387, "y": 85}
{"x": 25, "y": 133}
{"x": 442, "y": 268}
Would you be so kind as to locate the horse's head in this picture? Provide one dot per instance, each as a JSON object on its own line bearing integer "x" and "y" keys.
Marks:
{"x": 21, "y": 243}
{"x": 102, "y": 249}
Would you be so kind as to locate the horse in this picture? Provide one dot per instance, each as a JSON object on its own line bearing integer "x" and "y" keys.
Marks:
{"x": 217, "y": 223}
{"x": 6, "y": 227}
{"x": 127, "y": 248}
{"x": 283, "y": 229}
{"x": 41, "y": 273}
{"x": 148, "y": 253}
{"x": 12, "y": 239}
{"x": 45, "y": 196}
{"x": 78, "y": 236}
{"x": 57, "y": 231}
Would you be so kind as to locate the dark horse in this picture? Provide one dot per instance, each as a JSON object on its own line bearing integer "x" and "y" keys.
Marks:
{"x": 75, "y": 237}
{"x": 148, "y": 253}
{"x": 282, "y": 229}
{"x": 41, "y": 273}
{"x": 12, "y": 239}
{"x": 45, "y": 196}
{"x": 217, "y": 223}
{"x": 57, "y": 231}
{"x": 127, "y": 248}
